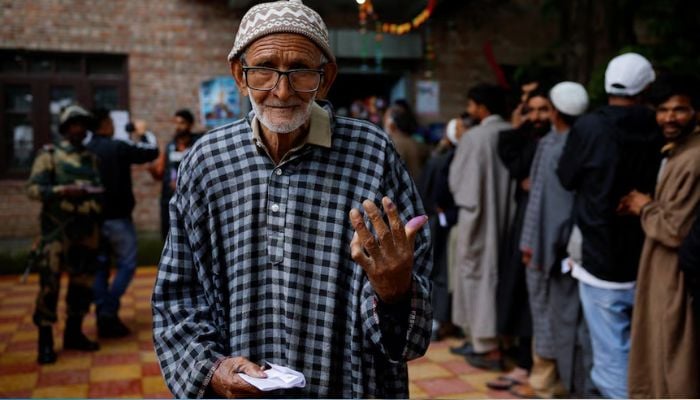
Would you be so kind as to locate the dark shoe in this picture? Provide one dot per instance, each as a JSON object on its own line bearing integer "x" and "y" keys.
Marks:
{"x": 79, "y": 342}
{"x": 491, "y": 360}
{"x": 46, "y": 353}
{"x": 111, "y": 327}
{"x": 462, "y": 350}
{"x": 448, "y": 329}
{"x": 74, "y": 339}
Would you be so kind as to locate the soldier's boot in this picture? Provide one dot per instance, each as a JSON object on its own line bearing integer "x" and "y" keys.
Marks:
{"x": 46, "y": 353}
{"x": 74, "y": 339}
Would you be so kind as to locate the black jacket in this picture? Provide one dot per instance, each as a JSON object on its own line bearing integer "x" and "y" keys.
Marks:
{"x": 516, "y": 148}
{"x": 115, "y": 158}
{"x": 435, "y": 190}
{"x": 608, "y": 153}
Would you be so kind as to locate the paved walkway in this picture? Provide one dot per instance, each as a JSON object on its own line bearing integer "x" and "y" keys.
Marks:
{"x": 127, "y": 367}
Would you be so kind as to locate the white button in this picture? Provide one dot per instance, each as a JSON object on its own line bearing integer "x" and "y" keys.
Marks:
{"x": 278, "y": 171}
{"x": 275, "y": 208}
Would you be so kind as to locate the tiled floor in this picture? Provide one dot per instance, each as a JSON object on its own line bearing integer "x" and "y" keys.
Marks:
{"x": 127, "y": 367}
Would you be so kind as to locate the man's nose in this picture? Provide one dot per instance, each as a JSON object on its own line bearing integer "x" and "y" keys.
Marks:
{"x": 669, "y": 117}
{"x": 283, "y": 90}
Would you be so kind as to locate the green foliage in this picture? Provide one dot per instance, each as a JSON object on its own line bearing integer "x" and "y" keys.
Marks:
{"x": 665, "y": 31}
{"x": 675, "y": 27}
{"x": 13, "y": 262}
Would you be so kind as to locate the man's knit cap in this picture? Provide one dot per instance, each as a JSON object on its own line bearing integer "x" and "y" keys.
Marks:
{"x": 569, "y": 98}
{"x": 284, "y": 16}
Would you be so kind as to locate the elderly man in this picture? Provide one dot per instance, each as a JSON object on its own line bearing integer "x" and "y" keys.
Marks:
{"x": 268, "y": 258}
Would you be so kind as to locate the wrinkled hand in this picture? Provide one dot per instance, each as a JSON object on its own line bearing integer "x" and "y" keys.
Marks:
{"x": 387, "y": 259}
{"x": 227, "y": 383}
{"x": 633, "y": 203}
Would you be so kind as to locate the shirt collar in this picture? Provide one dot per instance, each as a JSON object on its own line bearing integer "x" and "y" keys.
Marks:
{"x": 319, "y": 130}
{"x": 670, "y": 148}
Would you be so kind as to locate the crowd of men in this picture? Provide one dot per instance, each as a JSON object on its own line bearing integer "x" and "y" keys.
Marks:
{"x": 564, "y": 240}
{"x": 564, "y": 257}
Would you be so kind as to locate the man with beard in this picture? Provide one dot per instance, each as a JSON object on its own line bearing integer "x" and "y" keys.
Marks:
{"x": 165, "y": 167}
{"x": 608, "y": 153}
{"x": 479, "y": 183}
{"x": 516, "y": 148}
{"x": 269, "y": 259}
{"x": 665, "y": 346}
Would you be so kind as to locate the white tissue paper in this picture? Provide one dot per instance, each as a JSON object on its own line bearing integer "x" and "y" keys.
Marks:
{"x": 278, "y": 377}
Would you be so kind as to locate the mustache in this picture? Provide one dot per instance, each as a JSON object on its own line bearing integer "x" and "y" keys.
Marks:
{"x": 275, "y": 103}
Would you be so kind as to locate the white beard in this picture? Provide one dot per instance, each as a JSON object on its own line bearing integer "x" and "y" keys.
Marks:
{"x": 288, "y": 126}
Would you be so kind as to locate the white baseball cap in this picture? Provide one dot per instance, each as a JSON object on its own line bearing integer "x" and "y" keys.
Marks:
{"x": 569, "y": 98}
{"x": 628, "y": 74}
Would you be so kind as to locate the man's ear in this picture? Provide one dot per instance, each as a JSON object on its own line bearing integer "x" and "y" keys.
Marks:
{"x": 330, "y": 71}
{"x": 237, "y": 73}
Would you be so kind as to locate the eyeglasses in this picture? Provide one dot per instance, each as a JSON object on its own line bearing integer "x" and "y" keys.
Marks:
{"x": 266, "y": 79}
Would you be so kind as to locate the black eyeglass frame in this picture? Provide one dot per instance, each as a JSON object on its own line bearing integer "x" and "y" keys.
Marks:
{"x": 280, "y": 73}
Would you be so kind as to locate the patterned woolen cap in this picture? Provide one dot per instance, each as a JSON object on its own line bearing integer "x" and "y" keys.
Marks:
{"x": 282, "y": 16}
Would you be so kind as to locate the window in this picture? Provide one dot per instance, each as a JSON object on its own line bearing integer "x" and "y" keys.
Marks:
{"x": 19, "y": 145}
{"x": 34, "y": 88}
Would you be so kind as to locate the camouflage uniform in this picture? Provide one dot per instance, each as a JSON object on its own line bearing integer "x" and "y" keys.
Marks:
{"x": 69, "y": 228}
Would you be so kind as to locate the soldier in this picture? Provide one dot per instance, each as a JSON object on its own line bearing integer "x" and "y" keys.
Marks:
{"x": 65, "y": 179}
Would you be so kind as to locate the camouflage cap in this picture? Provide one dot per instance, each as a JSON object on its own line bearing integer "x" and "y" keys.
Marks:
{"x": 284, "y": 16}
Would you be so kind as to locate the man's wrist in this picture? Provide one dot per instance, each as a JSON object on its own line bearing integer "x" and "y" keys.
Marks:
{"x": 397, "y": 300}
{"x": 212, "y": 386}
{"x": 645, "y": 206}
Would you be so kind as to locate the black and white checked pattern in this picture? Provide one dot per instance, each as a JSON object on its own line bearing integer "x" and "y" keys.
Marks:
{"x": 257, "y": 264}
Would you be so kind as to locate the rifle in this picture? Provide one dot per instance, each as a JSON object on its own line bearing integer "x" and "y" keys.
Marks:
{"x": 37, "y": 251}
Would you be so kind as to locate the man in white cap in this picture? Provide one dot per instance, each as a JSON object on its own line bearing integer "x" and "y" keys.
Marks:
{"x": 546, "y": 220}
{"x": 268, "y": 258}
{"x": 608, "y": 153}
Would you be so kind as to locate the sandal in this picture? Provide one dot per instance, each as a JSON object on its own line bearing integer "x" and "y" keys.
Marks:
{"x": 523, "y": 391}
{"x": 503, "y": 382}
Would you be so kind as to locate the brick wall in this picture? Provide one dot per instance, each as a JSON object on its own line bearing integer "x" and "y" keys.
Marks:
{"x": 516, "y": 30}
{"x": 173, "y": 45}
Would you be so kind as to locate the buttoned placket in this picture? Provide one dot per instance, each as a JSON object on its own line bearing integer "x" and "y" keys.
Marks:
{"x": 277, "y": 195}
